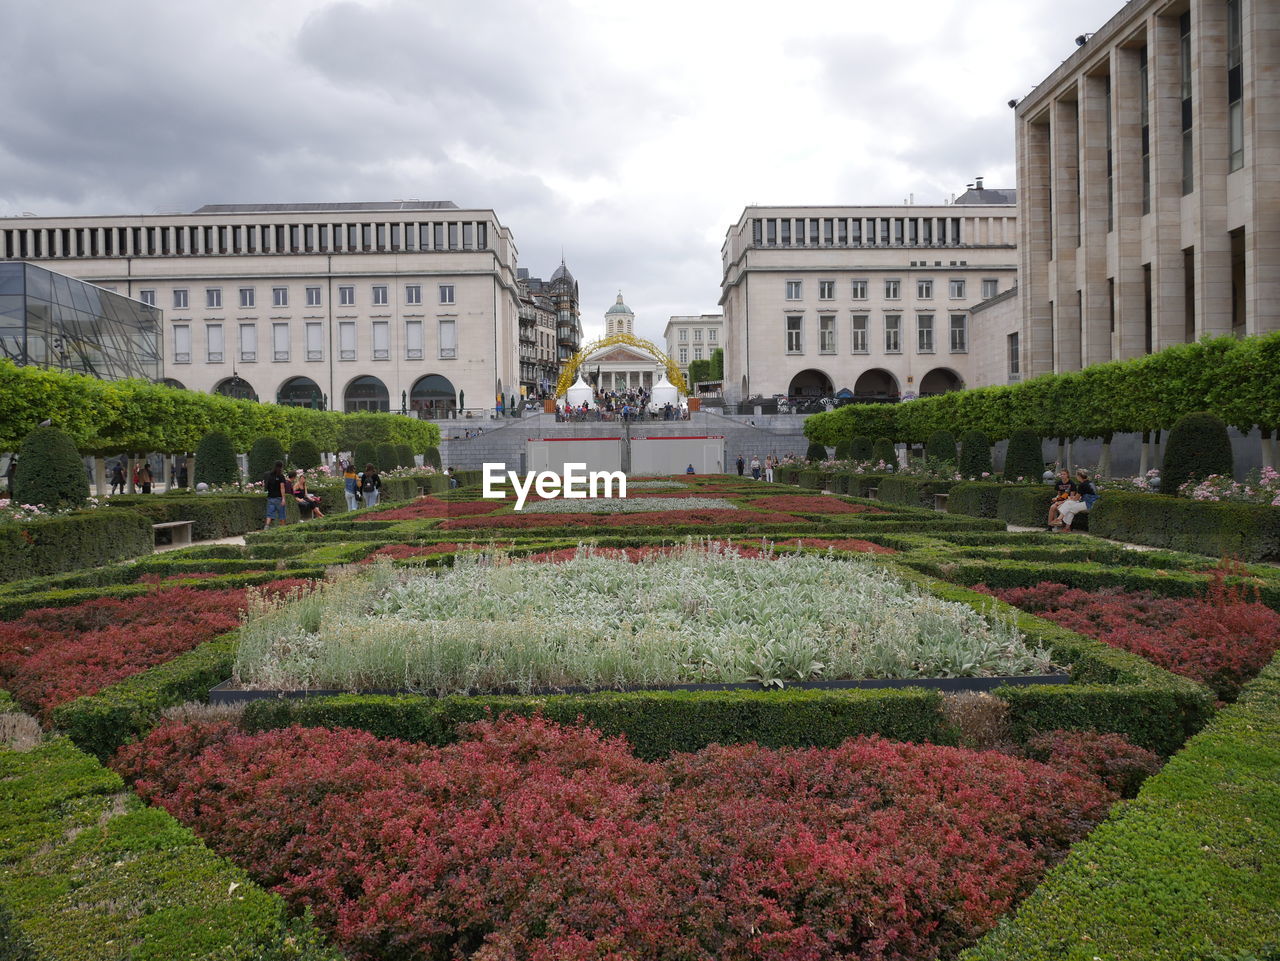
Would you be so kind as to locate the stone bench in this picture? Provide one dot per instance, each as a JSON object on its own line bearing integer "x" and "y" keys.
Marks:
{"x": 178, "y": 533}
{"x": 940, "y": 502}
{"x": 873, "y": 493}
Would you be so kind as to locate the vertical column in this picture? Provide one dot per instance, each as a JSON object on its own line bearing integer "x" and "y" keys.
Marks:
{"x": 1034, "y": 246}
{"x": 1066, "y": 174}
{"x": 1126, "y": 153}
{"x": 1164, "y": 252}
{"x": 1212, "y": 268}
{"x": 1261, "y": 28}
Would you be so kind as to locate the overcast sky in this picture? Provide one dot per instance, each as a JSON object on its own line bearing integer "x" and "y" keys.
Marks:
{"x": 629, "y": 135}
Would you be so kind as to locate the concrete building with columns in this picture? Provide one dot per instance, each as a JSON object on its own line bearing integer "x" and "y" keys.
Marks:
{"x": 1149, "y": 179}
{"x": 871, "y": 303}
{"x": 360, "y": 306}
{"x": 693, "y": 337}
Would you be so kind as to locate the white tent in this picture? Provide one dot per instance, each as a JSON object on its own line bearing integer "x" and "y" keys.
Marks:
{"x": 579, "y": 392}
{"x": 664, "y": 392}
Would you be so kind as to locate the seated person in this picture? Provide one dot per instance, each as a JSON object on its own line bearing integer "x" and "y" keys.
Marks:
{"x": 1062, "y": 488}
{"x": 1081, "y": 499}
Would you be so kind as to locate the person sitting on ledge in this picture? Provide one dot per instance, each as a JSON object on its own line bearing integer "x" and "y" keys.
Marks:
{"x": 1062, "y": 490}
{"x": 1081, "y": 499}
{"x": 689, "y": 469}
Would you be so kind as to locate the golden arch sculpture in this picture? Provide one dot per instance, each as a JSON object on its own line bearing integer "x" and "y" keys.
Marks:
{"x": 570, "y": 373}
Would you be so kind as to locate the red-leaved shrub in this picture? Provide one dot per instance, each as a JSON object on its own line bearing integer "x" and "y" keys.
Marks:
{"x": 1221, "y": 640}
{"x": 812, "y": 505}
{"x": 527, "y": 840}
{"x": 1111, "y": 758}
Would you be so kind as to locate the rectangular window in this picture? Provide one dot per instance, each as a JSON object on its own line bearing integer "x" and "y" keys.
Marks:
{"x": 858, "y": 333}
{"x": 248, "y": 343}
{"x": 684, "y": 355}
{"x": 247, "y": 297}
{"x": 684, "y": 334}
{"x": 712, "y": 335}
{"x": 446, "y": 293}
{"x": 214, "y": 344}
{"x": 279, "y": 296}
{"x": 957, "y": 290}
{"x": 313, "y": 296}
{"x": 379, "y": 295}
{"x": 1015, "y": 363}
{"x": 148, "y": 297}
{"x": 381, "y": 340}
{"x": 826, "y": 290}
{"x": 827, "y": 334}
{"x": 924, "y": 333}
{"x": 697, "y": 353}
{"x": 990, "y": 288}
{"x": 892, "y": 289}
{"x": 413, "y": 340}
{"x": 346, "y": 296}
{"x": 859, "y": 290}
{"x": 924, "y": 289}
{"x": 1144, "y": 124}
{"x": 1235, "y": 86}
{"x": 182, "y": 344}
{"x": 413, "y": 294}
{"x": 279, "y": 343}
{"x": 180, "y": 299}
{"x": 793, "y": 290}
{"x": 315, "y": 342}
{"x": 448, "y": 333}
{"x": 1184, "y": 49}
{"x": 893, "y": 333}
{"x": 795, "y": 343}
{"x": 959, "y": 333}
{"x": 346, "y": 340}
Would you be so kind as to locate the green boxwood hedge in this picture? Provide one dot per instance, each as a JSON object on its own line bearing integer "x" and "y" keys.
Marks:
{"x": 211, "y": 515}
{"x": 912, "y": 491}
{"x": 1188, "y": 871}
{"x": 88, "y": 872}
{"x": 975, "y": 498}
{"x": 1250, "y": 532}
{"x": 70, "y": 542}
{"x": 1025, "y": 505}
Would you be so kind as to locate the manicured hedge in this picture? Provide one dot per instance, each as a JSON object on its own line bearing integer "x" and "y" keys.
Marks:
{"x": 211, "y": 515}
{"x": 814, "y": 480}
{"x": 975, "y": 498}
{"x": 1250, "y": 532}
{"x": 656, "y": 723}
{"x": 1025, "y": 505}
{"x": 71, "y": 542}
{"x": 1189, "y": 871}
{"x": 912, "y": 491}
{"x": 87, "y": 872}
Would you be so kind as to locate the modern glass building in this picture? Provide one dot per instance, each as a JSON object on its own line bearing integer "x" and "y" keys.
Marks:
{"x": 49, "y": 320}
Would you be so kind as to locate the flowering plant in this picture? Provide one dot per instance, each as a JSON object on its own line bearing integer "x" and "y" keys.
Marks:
{"x": 9, "y": 511}
{"x": 1260, "y": 487}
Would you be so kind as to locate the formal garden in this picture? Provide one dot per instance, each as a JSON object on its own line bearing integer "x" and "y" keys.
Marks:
{"x": 718, "y": 719}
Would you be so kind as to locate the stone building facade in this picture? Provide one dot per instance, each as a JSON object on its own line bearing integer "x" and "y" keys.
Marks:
{"x": 693, "y": 337}
{"x": 1149, "y": 177}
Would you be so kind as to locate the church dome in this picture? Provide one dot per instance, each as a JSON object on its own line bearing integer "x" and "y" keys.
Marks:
{"x": 619, "y": 307}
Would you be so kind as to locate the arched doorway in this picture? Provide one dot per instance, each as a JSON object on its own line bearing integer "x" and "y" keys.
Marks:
{"x": 236, "y": 387}
{"x": 940, "y": 380}
{"x": 365, "y": 394}
{"x": 300, "y": 392}
{"x": 176, "y": 384}
{"x": 810, "y": 384}
{"x": 433, "y": 396}
{"x": 875, "y": 384}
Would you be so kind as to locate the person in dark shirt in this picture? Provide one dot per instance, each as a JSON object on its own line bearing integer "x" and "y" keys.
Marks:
{"x": 1082, "y": 498}
{"x": 370, "y": 486}
{"x": 1062, "y": 489}
{"x": 274, "y": 484}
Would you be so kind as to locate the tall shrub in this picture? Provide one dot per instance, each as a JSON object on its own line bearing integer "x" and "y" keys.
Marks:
{"x": 816, "y": 454}
{"x": 50, "y": 471}
{"x": 404, "y": 454}
{"x": 1023, "y": 459}
{"x": 941, "y": 446}
{"x": 263, "y": 456}
{"x": 843, "y": 450}
{"x": 1198, "y": 446}
{"x": 386, "y": 457}
{"x": 431, "y": 458}
{"x": 975, "y": 454}
{"x": 883, "y": 451}
{"x": 860, "y": 447}
{"x": 216, "y": 460}
{"x": 365, "y": 452}
{"x": 304, "y": 454}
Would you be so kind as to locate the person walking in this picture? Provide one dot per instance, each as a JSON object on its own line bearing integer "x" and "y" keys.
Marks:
{"x": 770, "y": 461}
{"x": 370, "y": 486}
{"x": 117, "y": 479}
{"x": 755, "y": 467}
{"x": 145, "y": 478}
{"x": 741, "y": 465}
{"x": 274, "y": 484}
{"x": 351, "y": 485}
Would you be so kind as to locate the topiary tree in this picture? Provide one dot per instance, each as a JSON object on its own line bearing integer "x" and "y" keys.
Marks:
{"x": 816, "y": 453}
{"x": 843, "y": 449}
{"x": 216, "y": 460}
{"x": 263, "y": 456}
{"x": 386, "y": 457}
{"x": 883, "y": 451}
{"x": 1024, "y": 458}
{"x": 1198, "y": 446}
{"x": 975, "y": 454}
{"x": 404, "y": 454}
{"x": 431, "y": 458}
{"x": 50, "y": 471}
{"x": 304, "y": 454}
{"x": 860, "y": 447}
{"x": 941, "y": 446}
{"x": 365, "y": 452}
